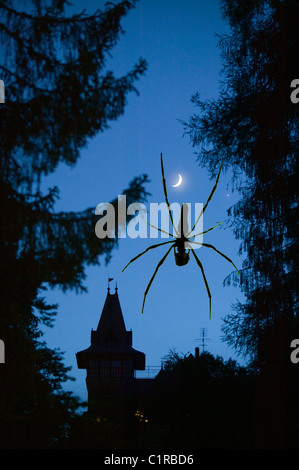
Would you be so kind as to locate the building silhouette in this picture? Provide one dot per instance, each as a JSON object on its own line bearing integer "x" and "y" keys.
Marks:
{"x": 110, "y": 360}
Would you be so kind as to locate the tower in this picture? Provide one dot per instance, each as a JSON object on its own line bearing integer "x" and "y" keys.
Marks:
{"x": 110, "y": 360}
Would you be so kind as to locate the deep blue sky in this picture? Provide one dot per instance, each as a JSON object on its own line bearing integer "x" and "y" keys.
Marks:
{"x": 177, "y": 38}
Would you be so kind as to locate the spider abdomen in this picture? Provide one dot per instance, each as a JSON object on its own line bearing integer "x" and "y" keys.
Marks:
{"x": 181, "y": 257}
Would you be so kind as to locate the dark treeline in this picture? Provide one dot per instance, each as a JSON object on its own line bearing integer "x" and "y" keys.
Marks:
{"x": 194, "y": 403}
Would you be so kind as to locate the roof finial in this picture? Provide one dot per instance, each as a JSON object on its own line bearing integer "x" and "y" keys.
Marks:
{"x": 109, "y": 280}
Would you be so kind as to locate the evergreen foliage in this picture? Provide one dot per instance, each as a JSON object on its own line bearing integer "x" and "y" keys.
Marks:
{"x": 253, "y": 126}
{"x": 58, "y": 96}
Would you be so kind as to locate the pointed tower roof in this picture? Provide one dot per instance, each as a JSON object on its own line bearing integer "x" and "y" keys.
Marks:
{"x": 111, "y": 325}
{"x": 111, "y": 337}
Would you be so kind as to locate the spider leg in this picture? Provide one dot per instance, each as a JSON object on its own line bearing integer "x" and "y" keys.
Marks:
{"x": 153, "y": 276}
{"x": 205, "y": 279}
{"x": 209, "y": 198}
{"x": 160, "y": 229}
{"x": 206, "y": 231}
{"x": 165, "y": 194}
{"x": 207, "y": 245}
{"x": 143, "y": 252}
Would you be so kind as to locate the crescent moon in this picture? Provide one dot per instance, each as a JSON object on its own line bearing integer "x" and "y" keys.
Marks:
{"x": 179, "y": 182}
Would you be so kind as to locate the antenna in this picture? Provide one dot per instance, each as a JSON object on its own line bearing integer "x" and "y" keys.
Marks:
{"x": 203, "y": 333}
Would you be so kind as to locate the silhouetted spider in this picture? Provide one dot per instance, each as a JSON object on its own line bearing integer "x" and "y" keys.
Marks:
{"x": 181, "y": 254}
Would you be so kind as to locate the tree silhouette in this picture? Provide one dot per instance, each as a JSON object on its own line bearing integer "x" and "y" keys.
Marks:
{"x": 253, "y": 127}
{"x": 200, "y": 402}
{"x": 58, "y": 96}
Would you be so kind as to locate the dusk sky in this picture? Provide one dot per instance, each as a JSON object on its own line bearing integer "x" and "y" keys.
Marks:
{"x": 178, "y": 40}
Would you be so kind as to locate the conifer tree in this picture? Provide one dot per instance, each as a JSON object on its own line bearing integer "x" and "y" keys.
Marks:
{"x": 253, "y": 126}
{"x": 58, "y": 95}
